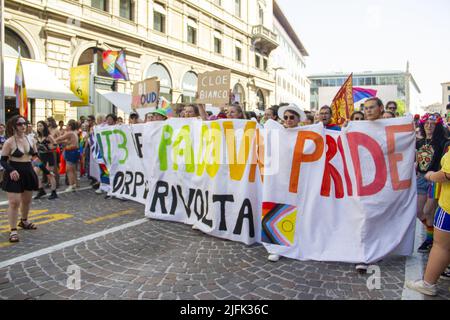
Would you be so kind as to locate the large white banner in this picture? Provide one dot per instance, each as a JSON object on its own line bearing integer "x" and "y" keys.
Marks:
{"x": 305, "y": 193}
{"x": 342, "y": 196}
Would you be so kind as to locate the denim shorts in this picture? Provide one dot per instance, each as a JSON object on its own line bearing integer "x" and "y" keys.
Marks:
{"x": 422, "y": 184}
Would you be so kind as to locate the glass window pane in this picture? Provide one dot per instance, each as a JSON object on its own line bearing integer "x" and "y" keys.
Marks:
{"x": 99, "y": 4}
{"x": 159, "y": 22}
{"x": 126, "y": 10}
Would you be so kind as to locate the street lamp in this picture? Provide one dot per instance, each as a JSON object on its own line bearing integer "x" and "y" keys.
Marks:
{"x": 276, "y": 81}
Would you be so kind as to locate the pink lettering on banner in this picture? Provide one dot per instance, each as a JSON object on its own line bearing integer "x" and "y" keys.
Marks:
{"x": 356, "y": 140}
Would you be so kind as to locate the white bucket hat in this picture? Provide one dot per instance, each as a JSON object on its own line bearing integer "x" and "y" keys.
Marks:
{"x": 292, "y": 107}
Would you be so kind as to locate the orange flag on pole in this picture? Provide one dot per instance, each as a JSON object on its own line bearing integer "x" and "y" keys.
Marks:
{"x": 20, "y": 90}
{"x": 342, "y": 105}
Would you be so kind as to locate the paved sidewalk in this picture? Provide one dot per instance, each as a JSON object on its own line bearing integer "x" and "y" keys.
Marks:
{"x": 164, "y": 260}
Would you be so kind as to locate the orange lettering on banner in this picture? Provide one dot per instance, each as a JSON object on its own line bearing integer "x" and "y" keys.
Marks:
{"x": 394, "y": 157}
{"x": 237, "y": 166}
{"x": 356, "y": 140}
{"x": 258, "y": 157}
{"x": 300, "y": 157}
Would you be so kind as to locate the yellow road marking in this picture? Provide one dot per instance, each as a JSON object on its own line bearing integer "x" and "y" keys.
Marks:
{"x": 5, "y": 244}
{"x": 37, "y": 218}
{"x": 109, "y": 216}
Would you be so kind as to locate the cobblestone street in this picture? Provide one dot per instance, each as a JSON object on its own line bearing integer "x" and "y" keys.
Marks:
{"x": 150, "y": 259}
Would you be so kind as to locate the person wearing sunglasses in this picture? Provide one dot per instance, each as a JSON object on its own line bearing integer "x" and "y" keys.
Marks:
{"x": 392, "y": 107}
{"x": 292, "y": 115}
{"x": 20, "y": 179}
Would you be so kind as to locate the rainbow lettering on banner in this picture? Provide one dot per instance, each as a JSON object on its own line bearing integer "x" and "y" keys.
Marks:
{"x": 278, "y": 223}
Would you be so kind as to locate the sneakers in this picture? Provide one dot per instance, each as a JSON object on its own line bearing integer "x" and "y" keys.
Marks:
{"x": 361, "y": 268}
{"x": 446, "y": 274}
{"x": 422, "y": 287}
{"x": 426, "y": 246}
{"x": 70, "y": 189}
{"x": 53, "y": 195}
{"x": 98, "y": 191}
{"x": 40, "y": 194}
{"x": 273, "y": 257}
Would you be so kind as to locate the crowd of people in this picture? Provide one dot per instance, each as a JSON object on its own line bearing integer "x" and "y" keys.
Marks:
{"x": 27, "y": 154}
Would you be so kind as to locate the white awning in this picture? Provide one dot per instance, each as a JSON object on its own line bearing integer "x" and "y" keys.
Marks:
{"x": 123, "y": 102}
{"x": 119, "y": 99}
{"x": 40, "y": 82}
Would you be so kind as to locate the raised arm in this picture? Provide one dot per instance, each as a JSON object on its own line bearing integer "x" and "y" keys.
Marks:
{"x": 202, "y": 111}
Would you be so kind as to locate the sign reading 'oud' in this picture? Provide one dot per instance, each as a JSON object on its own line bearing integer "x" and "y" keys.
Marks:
{"x": 214, "y": 87}
{"x": 145, "y": 94}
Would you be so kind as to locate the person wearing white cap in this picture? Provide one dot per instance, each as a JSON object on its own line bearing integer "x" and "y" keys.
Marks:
{"x": 292, "y": 115}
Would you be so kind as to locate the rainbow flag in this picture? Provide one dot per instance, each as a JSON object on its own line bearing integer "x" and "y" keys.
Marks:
{"x": 20, "y": 90}
{"x": 114, "y": 63}
{"x": 342, "y": 104}
{"x": 361, "y": 93}
{"x": 434, "y": 190}
{"x": 165, "y": 104}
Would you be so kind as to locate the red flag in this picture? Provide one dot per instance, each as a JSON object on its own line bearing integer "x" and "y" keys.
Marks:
{"x": 342, "y": 105}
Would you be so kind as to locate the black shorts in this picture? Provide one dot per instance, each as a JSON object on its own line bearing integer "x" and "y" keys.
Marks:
{"x": 48, "y": 158}
{"x": 28, "y": 180}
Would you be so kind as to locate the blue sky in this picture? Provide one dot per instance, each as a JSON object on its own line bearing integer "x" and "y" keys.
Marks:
{"x": 363, "y": 35}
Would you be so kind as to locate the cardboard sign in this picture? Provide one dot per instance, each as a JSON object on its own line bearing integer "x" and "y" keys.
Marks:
{"x": 214, "y": 87}
{"x": 145, "y": 94}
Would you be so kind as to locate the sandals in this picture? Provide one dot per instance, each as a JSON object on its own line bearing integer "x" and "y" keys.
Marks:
{"x": 13, "y": 236}
{"x": 26, "y": 225}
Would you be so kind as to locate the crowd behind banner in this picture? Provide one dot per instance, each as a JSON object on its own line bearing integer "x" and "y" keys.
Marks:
{"x": 304, "y": 219}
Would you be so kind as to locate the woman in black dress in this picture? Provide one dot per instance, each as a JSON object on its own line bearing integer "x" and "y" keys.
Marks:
{"x": 20, "y": 180}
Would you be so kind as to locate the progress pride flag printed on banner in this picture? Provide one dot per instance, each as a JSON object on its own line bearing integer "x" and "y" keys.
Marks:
{"x": 305, "y": 193}
{"x": 348, "y": 196}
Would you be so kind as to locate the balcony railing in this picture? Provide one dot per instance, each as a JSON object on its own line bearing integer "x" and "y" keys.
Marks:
{"x": 264, "y": 39}
{"x": 263, "y": 31}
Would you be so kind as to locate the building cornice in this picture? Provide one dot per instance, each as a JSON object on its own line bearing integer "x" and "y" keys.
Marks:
{"x": 279, "y": 15}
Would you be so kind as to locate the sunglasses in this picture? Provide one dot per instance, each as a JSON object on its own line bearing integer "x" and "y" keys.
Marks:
{"x": 289, "y": 117}
{"x": 21, "y": 124}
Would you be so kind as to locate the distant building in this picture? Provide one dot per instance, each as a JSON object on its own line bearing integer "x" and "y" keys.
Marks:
{"x": 445, "y": 96}
{"x": 397, "y": 86}
{"x": 433, "y": 108}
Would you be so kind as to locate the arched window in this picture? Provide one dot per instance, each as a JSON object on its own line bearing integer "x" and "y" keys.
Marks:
{"x": 13, "y": 43}
{"x": 165, "y": 81}
{"x": 189, "y": 86}
{"x": 260, "y": 100}
{"x": 94, "y": 55}
{"x": 238, "y": 94}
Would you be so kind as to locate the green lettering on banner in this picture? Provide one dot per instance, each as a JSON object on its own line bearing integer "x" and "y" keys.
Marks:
{"x": 165, "y": 141}
{"x": 123, "y": 145}
{"x": 209, "y": 150}
{"x": 108, "y": 143}
{"x": 187, "y": 151}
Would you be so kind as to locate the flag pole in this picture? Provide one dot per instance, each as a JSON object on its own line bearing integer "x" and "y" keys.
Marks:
{"x": 2, "y": 61}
